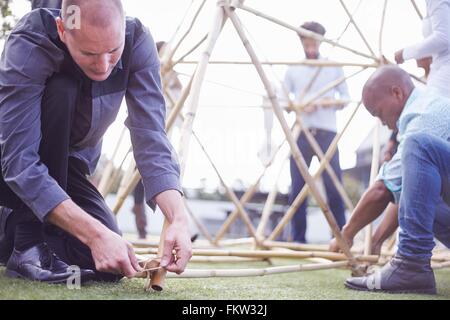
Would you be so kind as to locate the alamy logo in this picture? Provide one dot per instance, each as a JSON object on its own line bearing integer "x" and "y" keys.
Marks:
{"x": 74, "y": 281}
{"x": 73, "y": 17}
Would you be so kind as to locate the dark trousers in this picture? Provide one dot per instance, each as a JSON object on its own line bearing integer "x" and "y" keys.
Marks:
{"x": 57, "y": 112}
{"x": 324, "y": 139}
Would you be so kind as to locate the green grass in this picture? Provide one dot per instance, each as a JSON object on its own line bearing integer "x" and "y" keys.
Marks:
{"x": 325, "y": 284}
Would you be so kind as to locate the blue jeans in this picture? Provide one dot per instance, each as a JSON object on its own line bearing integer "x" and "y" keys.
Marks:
{"x": 324, "y": 139}
{"x": 424, "y": 211}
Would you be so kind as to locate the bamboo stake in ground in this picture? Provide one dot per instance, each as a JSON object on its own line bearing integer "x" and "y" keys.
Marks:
{"x": 300, "y": 161}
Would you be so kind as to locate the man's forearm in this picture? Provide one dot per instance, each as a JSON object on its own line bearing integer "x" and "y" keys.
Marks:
{"x": 171, "y": 204}
{"x": 71, "y": 218}
{"x": 387, "y": 227}
{"x": 371, "y": 206}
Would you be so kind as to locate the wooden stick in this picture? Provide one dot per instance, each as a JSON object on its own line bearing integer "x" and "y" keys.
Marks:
{"x": 331, "y": 173}
{"x": 247, "y": 196}
{"x": 197, "y": 13}
{"x": 267, "y": 210}
{"x": 380, "y": 38}
{"x": 328, "y": 87}
{"x": 416, "y": 8}
{"x": 357, "y": 29}
{"x": 373, "y": 174}
{"x": 304, "y": 192}
{"x": 297, "y": 156}
{"x": 109, "y": 168}
{"x": 159, "y": 276}
{"x": 231, "y": 195}
{"x": 198, "y": 44}
{"x": 186, "y": 131}
{"x": 199, "y": 225}
{"x": 306, "y": 62}
{"x": 303, "y": 32}
{"x": 234, "y": 273}
{"x": 284, "y": 254}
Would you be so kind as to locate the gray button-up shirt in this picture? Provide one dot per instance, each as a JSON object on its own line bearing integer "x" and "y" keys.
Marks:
{"x": 32, "y": 54}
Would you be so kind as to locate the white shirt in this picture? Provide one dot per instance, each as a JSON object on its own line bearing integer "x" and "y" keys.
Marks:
{"x": 297, "y": 78}
{"x": 436, "y": 30}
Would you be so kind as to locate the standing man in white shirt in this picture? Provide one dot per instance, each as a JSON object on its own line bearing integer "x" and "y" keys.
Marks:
{"x": 304, "y": 82}
{"x": 436, "y": 44}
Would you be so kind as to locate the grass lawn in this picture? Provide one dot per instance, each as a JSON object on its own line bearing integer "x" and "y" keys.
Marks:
{"x": 324, "y": 284}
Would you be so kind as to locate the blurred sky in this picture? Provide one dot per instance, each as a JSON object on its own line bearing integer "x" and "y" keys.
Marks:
{"x": 228, "y": 122}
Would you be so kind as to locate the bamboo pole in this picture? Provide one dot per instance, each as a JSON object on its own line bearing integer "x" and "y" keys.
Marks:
{"x": 332, "y": 174}
{"x": 169, "y": 57}
{"x": 373, "y": 175}
{"x": 304, "y": 192}
{"x": 234, "y": 273}
{"x": 267, "y": 210}
{"x": 198, "y": 44}
{"x": 306, "y": 62}
{"x": 106, "y": 177}
{"x": 247, "y": 196}
{"x": 352, "y": 20}
{"x": 264, "y": 254}
{"x": 231, "y": 195}
{"x": 186, "y": 131}
{"x": 416, "y": 8}
{"x": 303, "y": 32}
{"x": 380, "y": 38}
{"x": 300, "y": 161}
{"x": 199, "y": 225}
{"x": 328, "y": 87}
{"x": 159, "y": 276}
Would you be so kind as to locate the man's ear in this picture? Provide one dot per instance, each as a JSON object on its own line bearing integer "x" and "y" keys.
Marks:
{"x": 397, "y": 92}
{"x": 61, "y": 29}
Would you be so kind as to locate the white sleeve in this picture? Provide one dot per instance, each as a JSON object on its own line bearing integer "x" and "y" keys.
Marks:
{"x": 438, "y": 41}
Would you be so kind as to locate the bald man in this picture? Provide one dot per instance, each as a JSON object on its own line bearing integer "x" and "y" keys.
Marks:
{"x": 63, "y": 76}
{"x": 391, "y": 96}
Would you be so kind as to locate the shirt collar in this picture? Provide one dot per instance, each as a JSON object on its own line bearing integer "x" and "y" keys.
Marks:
{"x": 412, "y": 97}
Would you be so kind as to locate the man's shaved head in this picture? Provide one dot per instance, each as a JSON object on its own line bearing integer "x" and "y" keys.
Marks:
{"x": 94, "y": 33}
{"x": 386, "y": 92}
{"x": 98, "y": 13}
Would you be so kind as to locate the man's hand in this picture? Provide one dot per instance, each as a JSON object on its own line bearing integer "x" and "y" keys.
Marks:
{"x": 177, "y": 236}
{"x": 399, "y": 57}
{"x": 334, "y": 246}
{"x": 110, "y": 251}
{"x": 113, "y": 254}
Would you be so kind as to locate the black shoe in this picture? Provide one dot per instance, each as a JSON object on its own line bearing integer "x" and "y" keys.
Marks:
{"x": 400, "y": 275}
{"x": 39, "y": 263}
{"x": 6, "y": 241}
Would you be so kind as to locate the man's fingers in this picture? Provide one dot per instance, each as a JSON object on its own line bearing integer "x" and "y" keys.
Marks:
{"x": 126, "y": 268}
{"x": 167, "y": 256}
{"x": 133, "y": 260}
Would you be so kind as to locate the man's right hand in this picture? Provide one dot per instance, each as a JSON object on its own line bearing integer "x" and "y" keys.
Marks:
{"x": 113, "y": 254}
{"x": 334, "y": 246}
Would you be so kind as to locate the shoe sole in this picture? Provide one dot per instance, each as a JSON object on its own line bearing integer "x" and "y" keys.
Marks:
{"x": 419, "y": 291}
{"x": 14, "y": 275}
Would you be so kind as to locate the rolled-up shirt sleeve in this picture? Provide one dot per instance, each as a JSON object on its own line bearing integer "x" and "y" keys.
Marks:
{"x": 28, "y": 60}
{"x": 155, "y": 157}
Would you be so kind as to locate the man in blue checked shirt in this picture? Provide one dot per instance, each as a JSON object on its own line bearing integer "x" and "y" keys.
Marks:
{"x": 390, "y": 95}
{"x": 63, "y": 76}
